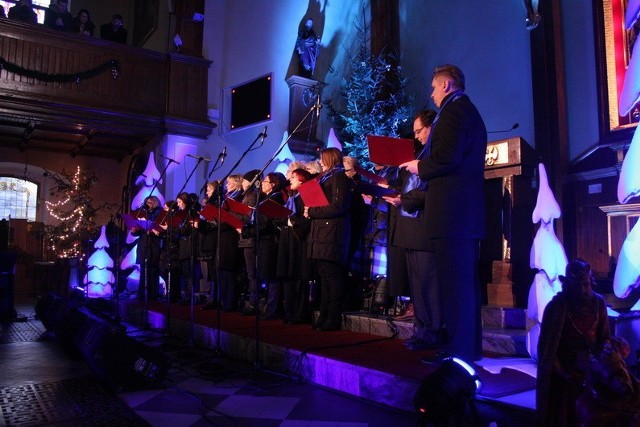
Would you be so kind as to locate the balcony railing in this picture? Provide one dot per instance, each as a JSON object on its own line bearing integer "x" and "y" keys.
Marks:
{"x": 56, "y": 80}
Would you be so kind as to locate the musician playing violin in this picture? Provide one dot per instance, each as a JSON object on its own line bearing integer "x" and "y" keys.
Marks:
{"x": 148, "y": 250}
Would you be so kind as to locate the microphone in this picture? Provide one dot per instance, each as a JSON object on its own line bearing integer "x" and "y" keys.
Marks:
{"x": 199, "y": 157}
{"x": 223, "y": 154}
{"x": 318, "y": 107}
{"x": 264, "y": 133}
{"x": 515, "y": 126}
{"x": 168, "y": 158}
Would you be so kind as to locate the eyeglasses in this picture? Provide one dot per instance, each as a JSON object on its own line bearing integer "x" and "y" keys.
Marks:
{"x": 417, "y": 131}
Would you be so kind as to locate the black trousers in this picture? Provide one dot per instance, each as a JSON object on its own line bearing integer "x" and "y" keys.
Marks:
{"x": 333, "y": 292}
{"x": 459, "y": 285}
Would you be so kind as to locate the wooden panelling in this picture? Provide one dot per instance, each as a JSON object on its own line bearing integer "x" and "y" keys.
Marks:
{"x": 591, "y": 222}
{"x": 152, "y": 92}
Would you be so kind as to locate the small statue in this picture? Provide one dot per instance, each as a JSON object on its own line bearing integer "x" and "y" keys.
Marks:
{"x": 307, "y": 47}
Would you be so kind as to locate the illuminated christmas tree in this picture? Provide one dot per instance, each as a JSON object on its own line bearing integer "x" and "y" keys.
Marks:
{"x": 74, "y": 211}
{"x": 372, "y": 99}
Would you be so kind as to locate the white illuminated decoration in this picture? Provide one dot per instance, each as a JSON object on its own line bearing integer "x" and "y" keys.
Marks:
{"x": 285, "y": 156}
{"x": 147, "y": 179}
{"x": 547, "y": 256}
{"x": 627, "y": 276}
{"x": 129, "y": 261}
{"x": 99, "y": 278}
{"x": 333, "y": 141}
{"x": 629, "y": 181}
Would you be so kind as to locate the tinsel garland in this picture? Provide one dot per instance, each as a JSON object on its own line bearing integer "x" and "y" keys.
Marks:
{"x": 113, "y": 65}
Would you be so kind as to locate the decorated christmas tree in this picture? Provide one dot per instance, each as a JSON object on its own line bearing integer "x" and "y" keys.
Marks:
{"x": 74, "y": 211}
{"x": 372, "y": 99}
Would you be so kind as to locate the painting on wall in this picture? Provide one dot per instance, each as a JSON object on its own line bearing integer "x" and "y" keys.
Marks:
{"x": 614, "y": 47}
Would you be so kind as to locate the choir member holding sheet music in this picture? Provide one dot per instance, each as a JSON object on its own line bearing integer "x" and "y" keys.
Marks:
{"x": 328, "y": 242}
{"x": 207, "y": 237}
{"x": 294, "y": 269}
{"x": 148, "y": 249}
{"x": 229, "y": 257}
{"x": 247, "y": 241}
{"x": 419, "y": 258}
{"x": 273, "y": 187}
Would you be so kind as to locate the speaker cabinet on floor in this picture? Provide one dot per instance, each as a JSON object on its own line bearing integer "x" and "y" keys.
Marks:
{"x": 119, "y": 360}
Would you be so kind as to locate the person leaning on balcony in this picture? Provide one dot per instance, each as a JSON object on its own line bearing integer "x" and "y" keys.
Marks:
{"x": 58, "y": 17}
{"x": 23, "y": 12}
{"x": 82, "y": 23}
{"x": 114, "y": 30}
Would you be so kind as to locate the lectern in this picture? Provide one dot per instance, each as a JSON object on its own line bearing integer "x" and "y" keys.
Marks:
{"x": 510, "y": 166}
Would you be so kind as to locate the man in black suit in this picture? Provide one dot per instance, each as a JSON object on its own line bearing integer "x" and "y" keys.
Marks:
{"x": 454, "y": 207}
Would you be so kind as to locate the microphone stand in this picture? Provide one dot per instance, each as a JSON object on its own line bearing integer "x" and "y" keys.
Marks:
{"x": 218, "y": 349}
{"x": 218, "y": 284}
{"x": 117, "y": 229}
{"x": 147, "y": 324}
{"x": 316, "y": 107}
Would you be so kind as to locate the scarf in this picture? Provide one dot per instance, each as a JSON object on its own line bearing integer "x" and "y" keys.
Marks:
{"x": 414, "y": 182}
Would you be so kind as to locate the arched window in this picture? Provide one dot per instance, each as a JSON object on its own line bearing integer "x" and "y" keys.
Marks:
{"x": 18, "y": 198}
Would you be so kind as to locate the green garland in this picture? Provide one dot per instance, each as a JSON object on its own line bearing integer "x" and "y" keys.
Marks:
{"x": 112, "y": 65}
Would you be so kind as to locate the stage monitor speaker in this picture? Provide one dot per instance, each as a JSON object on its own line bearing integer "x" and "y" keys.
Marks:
{"x": 50, "y": 309}
{"x": 120, "y": 362}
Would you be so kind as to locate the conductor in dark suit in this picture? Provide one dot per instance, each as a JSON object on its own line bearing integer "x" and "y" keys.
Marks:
{"x": 454, "y": 207}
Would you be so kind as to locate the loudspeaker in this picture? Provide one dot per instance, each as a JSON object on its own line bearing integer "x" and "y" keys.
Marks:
{"x": 120, "y": 362}
{"x": 50, "y": 309}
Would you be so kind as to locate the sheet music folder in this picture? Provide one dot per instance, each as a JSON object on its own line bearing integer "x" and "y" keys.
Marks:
{"x": 272, "y": 209}
{"x": 211, "y": 212}
{"x": 143, "y": 224}
{"x": 375, "y": 190}
{"x": 268, "y": 208}
{"x": 388, "y": 151}
{"x": 238, "y": 207}
{"x": 312, "y": 194}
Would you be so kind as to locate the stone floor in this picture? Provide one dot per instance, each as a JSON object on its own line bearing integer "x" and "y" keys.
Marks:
{"x": 41, "y": 384}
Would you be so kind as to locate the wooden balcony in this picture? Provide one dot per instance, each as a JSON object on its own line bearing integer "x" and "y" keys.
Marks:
{"x": 84, "y": 96}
